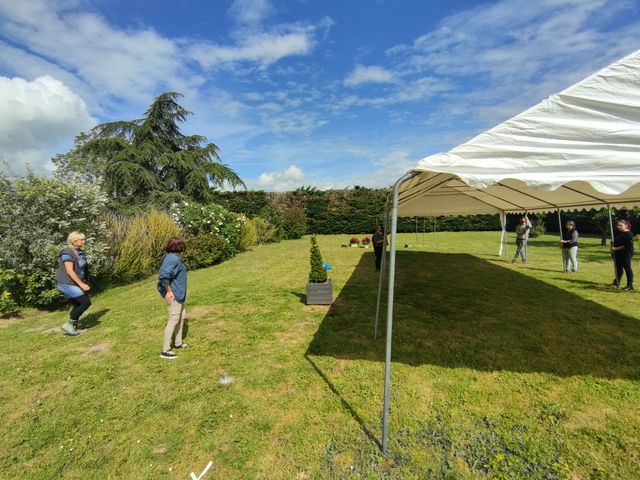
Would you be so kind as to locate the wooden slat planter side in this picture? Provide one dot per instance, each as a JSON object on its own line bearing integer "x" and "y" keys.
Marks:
{"x": 320, "y": 293}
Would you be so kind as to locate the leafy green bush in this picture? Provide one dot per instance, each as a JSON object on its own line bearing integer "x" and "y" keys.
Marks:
{"x": 213, "y": 232}
{"x": 274, "y": 216}
{"x": 265, "y": 231}
{"x": 140, "y": 252}
{"x": 294, "y": 222}
{"x": 205, "y": 250}
{"x": 317, "y": 273}
{"x": 248, "y": 235}
{"x": 37, "y": 215}
{"x": 538, "y": 227}
{"x": 9, "y": 282}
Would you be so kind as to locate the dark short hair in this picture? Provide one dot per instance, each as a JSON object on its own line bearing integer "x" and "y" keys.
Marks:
{"x": 175, "y": 245}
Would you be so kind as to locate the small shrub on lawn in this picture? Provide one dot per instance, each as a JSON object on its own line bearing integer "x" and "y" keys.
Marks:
{"x": 317, "y": 274}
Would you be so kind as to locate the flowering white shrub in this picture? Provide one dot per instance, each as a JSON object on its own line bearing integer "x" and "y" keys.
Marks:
{"x": 211, "y": 232}
{"x": 37, "y": 215}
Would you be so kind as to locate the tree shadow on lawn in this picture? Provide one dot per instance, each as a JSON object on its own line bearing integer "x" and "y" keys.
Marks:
{"x": 457, "y": 310}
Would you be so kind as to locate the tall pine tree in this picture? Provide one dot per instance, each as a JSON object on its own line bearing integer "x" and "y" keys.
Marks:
{"x": 150, "y": 159}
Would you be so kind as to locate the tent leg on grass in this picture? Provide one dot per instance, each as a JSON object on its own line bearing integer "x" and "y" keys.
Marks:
{"x": 503, "y": 235}
{"x": 560, "y": 230}
{"x": 392, "y": 272}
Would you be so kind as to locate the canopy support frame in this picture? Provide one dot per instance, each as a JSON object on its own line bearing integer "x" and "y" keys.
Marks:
{"x": 390, "y": 295}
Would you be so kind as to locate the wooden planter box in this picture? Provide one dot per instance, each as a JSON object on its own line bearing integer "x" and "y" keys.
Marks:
{"x": 320, "y": 293}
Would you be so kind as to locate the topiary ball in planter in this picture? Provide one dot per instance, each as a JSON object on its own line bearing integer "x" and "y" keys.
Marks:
{"x": 319, "y": 289}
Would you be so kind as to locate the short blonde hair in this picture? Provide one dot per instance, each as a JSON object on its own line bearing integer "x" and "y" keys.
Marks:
{"x": 73, "y": 237}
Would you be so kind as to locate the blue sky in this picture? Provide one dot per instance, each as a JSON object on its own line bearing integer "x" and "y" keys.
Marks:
{"x": 329, "y": 93}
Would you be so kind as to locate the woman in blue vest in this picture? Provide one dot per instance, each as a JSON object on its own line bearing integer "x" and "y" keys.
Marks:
{"x": 172, "y": 285}
{"x": 71, "y": 277}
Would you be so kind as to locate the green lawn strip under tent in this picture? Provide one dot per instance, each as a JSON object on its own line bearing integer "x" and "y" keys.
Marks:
{"x": 500, "y": 371}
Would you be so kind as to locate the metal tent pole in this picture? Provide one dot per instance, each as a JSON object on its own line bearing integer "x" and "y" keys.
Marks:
{"x": 560, "y": 227}
{"x": 503, "y": 224}
{"x": 390, "y": 292}
{"x": 613, "y": 257}
{"x": 382, "y": 269}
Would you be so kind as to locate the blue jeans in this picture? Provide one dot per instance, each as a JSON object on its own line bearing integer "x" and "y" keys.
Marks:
{"x": 70, "y": 291}
{"x": 570, "y": 258}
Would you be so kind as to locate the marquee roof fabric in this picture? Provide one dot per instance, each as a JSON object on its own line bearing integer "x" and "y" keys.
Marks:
{"x": 578, "y": 149}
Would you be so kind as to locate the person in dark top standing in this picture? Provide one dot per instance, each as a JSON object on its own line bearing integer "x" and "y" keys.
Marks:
{"x": 378, "y": 244}
{"x": 570, "y": 247}
{"x": 622, "y": 250}
{"x": 522, "y": 235}
{"x": 71, "y": 277}
{"x": 172, "y": 285}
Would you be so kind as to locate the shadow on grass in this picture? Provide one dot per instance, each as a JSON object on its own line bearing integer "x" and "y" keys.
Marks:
{"x": 91, "y": 319}
{"x": 344, "y": 403}
{"x": 301, "y": 296}
{"x": 459, "y": 311}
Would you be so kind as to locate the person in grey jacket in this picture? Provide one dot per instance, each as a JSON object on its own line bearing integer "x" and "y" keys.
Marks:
{"x": 569, "y": 245}
{"x": 522, "y": 235}
{"x": 71, "y": 277}
{"x": 172, "y": 285}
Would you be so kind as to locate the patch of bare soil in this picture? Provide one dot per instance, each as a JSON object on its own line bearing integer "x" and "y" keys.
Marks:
{"x": 100, "y": 347}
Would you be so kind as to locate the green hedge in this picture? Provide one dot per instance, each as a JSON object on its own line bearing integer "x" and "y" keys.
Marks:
{"x": 356, "y": 210}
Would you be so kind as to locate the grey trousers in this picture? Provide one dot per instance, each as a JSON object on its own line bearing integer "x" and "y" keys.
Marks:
{"x": 173, "y": 330}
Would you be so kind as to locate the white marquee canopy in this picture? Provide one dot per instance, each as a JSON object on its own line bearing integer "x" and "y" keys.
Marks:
{"x": 578, "y": 149}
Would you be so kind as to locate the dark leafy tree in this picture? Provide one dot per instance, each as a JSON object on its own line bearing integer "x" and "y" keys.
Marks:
{"x": 150, "y": 159}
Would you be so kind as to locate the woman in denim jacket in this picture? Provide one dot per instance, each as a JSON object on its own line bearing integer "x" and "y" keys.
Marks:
{"x": 172, "y": 285}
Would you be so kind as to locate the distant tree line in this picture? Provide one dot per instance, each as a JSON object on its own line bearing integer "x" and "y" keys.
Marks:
{"x": 360, "y": 209}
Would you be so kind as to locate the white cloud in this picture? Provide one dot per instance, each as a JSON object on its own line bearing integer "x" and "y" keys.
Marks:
{"x": 36, "y": 117}
{"x": 291, "y": 122}
{"x": 250, "y": 12}
{"x": 508, "y": 55}
{"x": 289, "y": 179}
{"x": 263, "y": 48}
{"x": 512, "y": 40}
{"x": 122, "y": 63}
{"x": 405, "y": 92}
{"x": 369, "y": 74}
{"x": 254, "y": 43}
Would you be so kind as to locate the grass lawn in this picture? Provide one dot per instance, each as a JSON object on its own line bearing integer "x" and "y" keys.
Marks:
{"x": 500, "y": 371}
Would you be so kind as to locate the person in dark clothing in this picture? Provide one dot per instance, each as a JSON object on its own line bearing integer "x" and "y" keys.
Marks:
{"x": 570, "y": 247}
{"x": 378, "y": 244}
{"x": 622, "y": 250}
{"x": 71, "y": 277}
